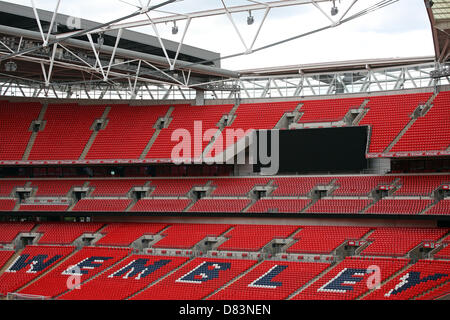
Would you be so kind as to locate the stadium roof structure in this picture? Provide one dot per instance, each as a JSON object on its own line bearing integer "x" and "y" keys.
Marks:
{"x": 50, "y": 55}
{"x": 439, "y": 13}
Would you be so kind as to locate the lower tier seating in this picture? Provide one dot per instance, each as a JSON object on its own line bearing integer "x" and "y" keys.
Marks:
{"x": 125, "y": 279}
{"x": 85, "y": 264}
{"x": 32, "y": 262}
{"x": 196, "y": 280}
{"x": 271, "y": 280}
{"x": 308, "y": 267}
{"x": 348, "y": 279}
{"x": 416, "y": 280}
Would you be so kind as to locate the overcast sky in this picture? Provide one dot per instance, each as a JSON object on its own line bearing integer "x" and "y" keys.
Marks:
{"x": 400, "y": 30}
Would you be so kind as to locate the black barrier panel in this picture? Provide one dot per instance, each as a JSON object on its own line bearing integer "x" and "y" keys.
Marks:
{"x": 322, "y": 150}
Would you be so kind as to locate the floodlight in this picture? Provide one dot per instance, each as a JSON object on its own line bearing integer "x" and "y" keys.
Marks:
{"x": 174, "y": 28}
{"x": 250, "y": 18}
{"x": 334, "y": 9}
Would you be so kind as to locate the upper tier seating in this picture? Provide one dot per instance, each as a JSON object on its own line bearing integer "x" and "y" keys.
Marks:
{"x": 192, "y": 283}
{"x": 399, "y": 241}
{"x": 328, "y": 110}
{"x": 435, "y": 124}
{"x": 129, "y": 129}
{"x": 90, "y": 262}
{"x": 388, "y": 115}
{"x": 121, "y": 282}
{"x": 355, "y": 271}
{"x": 287, "y": 277}
{"x": 127, "y": 133}
{"x": 66, "y": 132}
{"x": 32, "y": 262}
{"x": 419, "y": 278}
{"x": 251, "y": 116}
{"x": 184, "y": 117}
{"x": 254, "y": 237}
{"x": 16, "y": 119}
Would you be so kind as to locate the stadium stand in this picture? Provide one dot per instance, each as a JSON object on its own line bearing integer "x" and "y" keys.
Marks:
{"x": 435, "y": 124}
{"x": 7, "y": 204}
{"x": 420, "y": 185}
{"x": 11, "y": 230}
{"x": 348, "y": 279}
{"x": 399, "y": 241}
{"x": 174, "y": 187}
{"x": 66, "y": 132}
{"x": 388, "y": 115}
{"x": 229, "y": 187}
{"x": 109, "y": 205}
{"x": 184, "y": 117}
{"x": 298, "y": 186}
{"x": 441, "y": 208}
{"x": 254, "y": 237}
{"x": 113, "y": 187}
{"x": 162, "y": 275}
{"x": 271, "y": 280}
{"x": 7, "y": 187}
{"x": 418, "y": 279}
{"x": 279, "y": 205}
{"x": 186, "y": 236}
{"x": 32, "y": 262}
{"x": 360, "y": 185}
{"x": 328, "y": 110}
{"x": 5, "y": 255}
{"x": 65, "y": 233}
{"x": 161, "y": 205}
{"x": 196, "y": 280}
{"x": 220, "y": 205}
{"x": 127, "y": 278}
{"x": 43, "y": 208}
{"x": 266, "y": 117}
{"x": 315, "y": 239}
{"x": 54, "y": 188}
{"x": 338, "y": 206}
{"x": 16, "y": 119}
{"x": 89, "y": 261}
{"x": 123, "y": 234}
{"x": 400, "y": 206}
{"x": 131, "y": 128}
